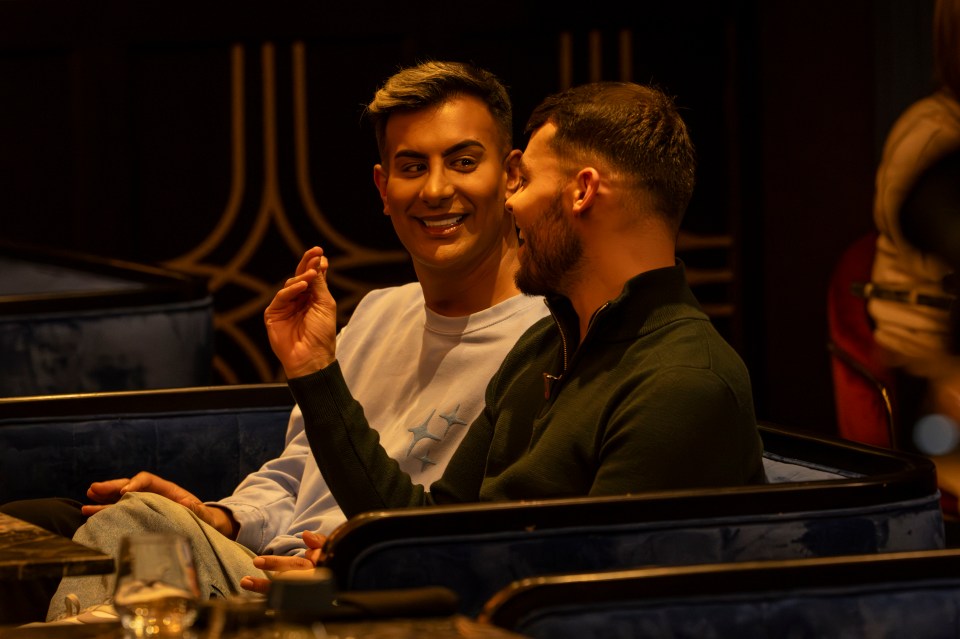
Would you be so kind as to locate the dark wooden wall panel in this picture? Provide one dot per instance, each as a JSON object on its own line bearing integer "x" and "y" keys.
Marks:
{"x": 222, "y": 139}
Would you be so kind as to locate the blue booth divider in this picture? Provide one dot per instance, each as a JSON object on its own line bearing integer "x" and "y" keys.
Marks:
{"x": 75, "y": 323}
{"x": 893, "y": 595}
{"x": 827, "y": 497}
{"x": 207, "y": 439}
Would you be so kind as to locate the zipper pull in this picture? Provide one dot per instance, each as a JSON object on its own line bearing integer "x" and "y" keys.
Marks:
{"x": 548, "y": 381}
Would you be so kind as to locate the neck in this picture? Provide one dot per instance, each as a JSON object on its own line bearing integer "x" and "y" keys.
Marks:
{"x": 603, "y": 273}
{"x": 453, "y": 293}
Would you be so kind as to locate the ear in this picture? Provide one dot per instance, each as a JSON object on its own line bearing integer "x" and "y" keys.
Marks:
{"x": 587, "y": 185}
{"x": 512, "y": 167}
{"x": 380, "y": 178}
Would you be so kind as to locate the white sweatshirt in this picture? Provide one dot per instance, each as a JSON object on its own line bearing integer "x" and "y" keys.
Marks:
{"x": 421, "y": 379}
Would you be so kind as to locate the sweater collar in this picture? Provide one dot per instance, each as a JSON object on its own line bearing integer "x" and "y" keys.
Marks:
{"x": 650, "y": 300}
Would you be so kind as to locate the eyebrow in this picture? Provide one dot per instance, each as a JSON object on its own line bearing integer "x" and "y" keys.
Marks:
{"x": 456, "y": 148}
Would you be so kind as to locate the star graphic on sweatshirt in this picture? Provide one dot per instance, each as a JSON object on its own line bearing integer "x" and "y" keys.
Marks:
{"x": 425, "y": 461}
{"x": 421, "y": 432}
{"x": 452, "y": 419}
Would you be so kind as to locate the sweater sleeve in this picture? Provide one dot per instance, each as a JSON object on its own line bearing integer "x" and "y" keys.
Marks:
{"x": 358, "y": 471}
{"x": 264, "y": 502}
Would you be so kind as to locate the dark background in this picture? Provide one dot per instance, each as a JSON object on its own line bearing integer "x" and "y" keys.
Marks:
{"x": 167, "y": 133}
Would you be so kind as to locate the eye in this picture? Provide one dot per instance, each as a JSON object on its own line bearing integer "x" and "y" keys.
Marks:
{"x": 464, "y": 163}
{"x": 521, "y": 183}
{"x": 413, "y": 167}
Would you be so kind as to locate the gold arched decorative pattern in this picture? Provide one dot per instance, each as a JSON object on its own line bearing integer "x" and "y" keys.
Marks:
{"x": 271, "y": 214}
{"x": 354, "y": 254}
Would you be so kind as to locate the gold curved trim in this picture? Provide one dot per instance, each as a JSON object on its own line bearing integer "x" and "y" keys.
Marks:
{"x": 252, "y": 351}
{"x": 355, "y": 254}
{"x": 270, "y": 203}
{"x": 188, "y": 261}
{"x": 270, "y": 212}
{"x": 221, "y": 367}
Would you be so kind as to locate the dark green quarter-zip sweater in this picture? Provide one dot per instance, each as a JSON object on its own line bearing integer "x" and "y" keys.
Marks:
{"x": 653, "y": 398}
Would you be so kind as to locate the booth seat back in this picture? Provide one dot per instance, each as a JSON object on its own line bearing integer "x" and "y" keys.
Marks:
{"x": 893, "y": 595}
{"x": 207, "y": 439}
{"x": 74, "y": 323}
{"x": 827, "y": 497}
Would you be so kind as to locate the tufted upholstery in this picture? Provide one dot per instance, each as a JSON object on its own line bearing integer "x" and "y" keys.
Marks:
{"x": 205, "y": 439}
{"x": 76, "y": 323}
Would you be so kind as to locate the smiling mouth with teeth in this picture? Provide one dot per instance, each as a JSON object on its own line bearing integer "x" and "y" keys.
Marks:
{"x": 441, "y": 222}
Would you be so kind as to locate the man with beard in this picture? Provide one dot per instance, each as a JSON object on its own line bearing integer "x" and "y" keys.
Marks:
{"x": 627, "y": 387}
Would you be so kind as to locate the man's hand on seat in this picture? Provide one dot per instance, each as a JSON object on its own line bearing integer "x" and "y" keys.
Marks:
{"x": 107, "y": 493}
{"x": 283, "y": 563}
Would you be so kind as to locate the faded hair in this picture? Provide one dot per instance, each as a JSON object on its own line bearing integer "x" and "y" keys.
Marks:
{"x": 946, "y": 44}
{"x": 434, "y": 83}
{"x": 638, "y": 132}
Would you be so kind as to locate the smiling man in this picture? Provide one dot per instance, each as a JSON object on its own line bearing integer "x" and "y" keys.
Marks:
{"x": 627, "y": 387}
{"x": 417, "y": 356}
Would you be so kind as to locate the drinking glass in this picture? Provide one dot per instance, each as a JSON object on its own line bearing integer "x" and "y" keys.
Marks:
{"x": 156, "y": 594}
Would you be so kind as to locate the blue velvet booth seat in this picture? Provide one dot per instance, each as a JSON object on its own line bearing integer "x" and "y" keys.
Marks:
{"x": 912, "y": 595}
{"x": 207, "y": 439}
{"x": 72, "y": 323}
{"x": 827, "y": 497}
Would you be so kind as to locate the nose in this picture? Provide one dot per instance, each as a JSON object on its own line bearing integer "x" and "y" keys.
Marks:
{"x": 509, "y": 204}
{"x": 437, "y": 188}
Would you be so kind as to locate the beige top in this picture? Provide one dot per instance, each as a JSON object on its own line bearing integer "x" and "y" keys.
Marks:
{"x": 917, "y": 336}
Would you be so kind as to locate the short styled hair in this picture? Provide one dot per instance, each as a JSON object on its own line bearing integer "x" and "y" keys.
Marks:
{"x": 434, "y": 83}
{"x": 636, "y": 129}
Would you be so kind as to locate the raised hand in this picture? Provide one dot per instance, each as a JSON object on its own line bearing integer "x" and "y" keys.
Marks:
{"x": 301, "y": 320}
{"x": 282, "y": 563}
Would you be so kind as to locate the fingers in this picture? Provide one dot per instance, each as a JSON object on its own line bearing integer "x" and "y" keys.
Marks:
{"x": 322, "y": 267}
{"x": 310, "y": 260}
{"x": 150, "y": 483}
{"x": 282, "y": 563}
{"x": 290, "y": 300}
{"x": 256, "y": 584}
{"x": 314, "y": 544}
{"x": 274, "y": 563}
{"x": 313, "y": 540}
{"x": 319, "y": 284}
{"x": 316, "y": 556}
{"x": 107, "y": 492}
{"x": 316, "y": 269}
{"x": 294, "y": 287}
{"x": 197, "y": 507}
{"x": 219, "y": 518}
{"x": 286, "y": 303}
{"x": 88, "y": 509}
{"x": 142, "y": 482}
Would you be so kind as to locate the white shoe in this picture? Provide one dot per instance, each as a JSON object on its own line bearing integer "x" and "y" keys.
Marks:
{"x": 98, "y": 613}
